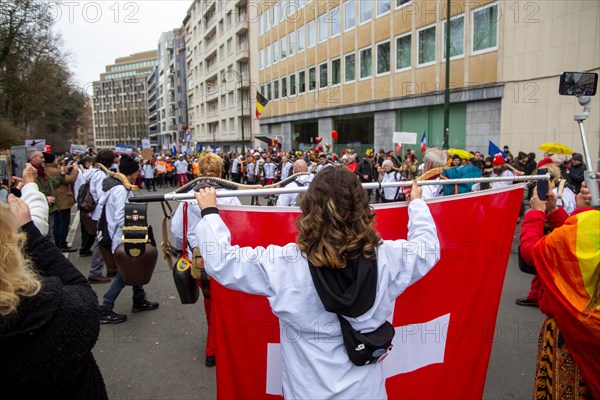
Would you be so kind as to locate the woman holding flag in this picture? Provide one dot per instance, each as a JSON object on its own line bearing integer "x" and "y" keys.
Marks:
{"x": 339, "y": 280}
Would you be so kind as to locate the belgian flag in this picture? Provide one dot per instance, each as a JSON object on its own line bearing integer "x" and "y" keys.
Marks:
{"x": 261, "y": 103}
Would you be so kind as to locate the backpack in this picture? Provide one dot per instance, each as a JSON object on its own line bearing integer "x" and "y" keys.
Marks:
{"x": 85, "y": 200}
{"x": 104, "y": 239}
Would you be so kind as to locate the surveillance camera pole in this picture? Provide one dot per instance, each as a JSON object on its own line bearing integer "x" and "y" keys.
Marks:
{"x": 589, "y": 174}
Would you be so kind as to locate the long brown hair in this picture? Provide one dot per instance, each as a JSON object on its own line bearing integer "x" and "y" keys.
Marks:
{"x": 336, "y": 220}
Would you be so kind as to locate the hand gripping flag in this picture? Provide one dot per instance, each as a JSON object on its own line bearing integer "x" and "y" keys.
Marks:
{"x": 424, "y": 142}
{"x": 445, "y": 323}
{"x": 261, "y": 103}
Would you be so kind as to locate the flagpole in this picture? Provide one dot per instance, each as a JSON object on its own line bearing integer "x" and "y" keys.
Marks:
{"x": 367, "y": 186}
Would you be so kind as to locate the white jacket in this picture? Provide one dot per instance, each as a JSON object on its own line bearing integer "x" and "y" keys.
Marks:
{"x": 97, "y": 176}
{"x": 315, "y": 362}
{"x": 114, "y": 200}
{"x": 194, "y": 218}
{"x": 289, "y": 199}
{"x": 38, "y": 206}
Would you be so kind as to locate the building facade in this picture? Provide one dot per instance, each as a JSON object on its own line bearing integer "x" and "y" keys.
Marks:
{"x": 181, "y": 112}
{"x": 368, "y": 68}
{"x": 119, "y": 102}
{"x": 221, "y": 48}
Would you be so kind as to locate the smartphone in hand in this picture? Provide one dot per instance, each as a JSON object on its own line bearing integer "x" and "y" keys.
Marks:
{"x": 542, "y": 185}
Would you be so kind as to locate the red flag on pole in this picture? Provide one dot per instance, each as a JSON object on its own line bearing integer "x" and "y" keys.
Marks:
{"x": 445, "y": 323}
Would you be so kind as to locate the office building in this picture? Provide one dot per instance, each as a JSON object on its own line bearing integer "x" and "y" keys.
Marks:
{"x": 369, "y": 68}
{"x": 119, "y": 101}
{"x": 220, "y": 41}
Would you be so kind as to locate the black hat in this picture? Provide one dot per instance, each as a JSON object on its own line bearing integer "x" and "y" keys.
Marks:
{"x": 49, "y": 158}
{"x": 128, "y": 165}
{"x": 577, "y": 157}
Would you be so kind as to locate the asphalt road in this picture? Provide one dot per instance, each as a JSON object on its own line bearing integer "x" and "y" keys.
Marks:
{"x": 160, "y": 354}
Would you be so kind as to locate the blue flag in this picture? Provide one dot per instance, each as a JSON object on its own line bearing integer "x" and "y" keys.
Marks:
{"x": 493, "y": 150}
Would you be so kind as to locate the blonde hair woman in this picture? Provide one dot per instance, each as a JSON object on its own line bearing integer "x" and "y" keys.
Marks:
{"x": 49, "y": 319}
{"x": 337, "y": 250}
{"x": 209, "y": 165}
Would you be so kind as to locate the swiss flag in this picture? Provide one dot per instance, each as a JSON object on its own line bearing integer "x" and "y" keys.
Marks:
{"x": 445, "y": 323}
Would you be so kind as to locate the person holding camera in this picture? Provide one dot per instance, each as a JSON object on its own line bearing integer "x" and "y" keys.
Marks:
{"x": 338, "y": 276}
{"x": 65, "y": 200}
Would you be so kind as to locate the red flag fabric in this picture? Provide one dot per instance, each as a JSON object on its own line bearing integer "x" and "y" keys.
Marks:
{"x": 445, "y": 323}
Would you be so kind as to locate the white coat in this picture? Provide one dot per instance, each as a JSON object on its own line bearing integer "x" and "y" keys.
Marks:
{"x": 504, "y": 174}
{"x": 289, "y": 199}
{"x": 38, "y": 206}
{"x": 194, "y": 218}
{"x": 315, "y": 362}
{"x": 97, "y": 176}
{"x": 114, "y": 200}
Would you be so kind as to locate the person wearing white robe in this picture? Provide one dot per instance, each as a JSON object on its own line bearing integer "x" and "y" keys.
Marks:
{"x": 209, "y": 165}
{"x": 290, "y": 199}
{"x": 313, "y": 368}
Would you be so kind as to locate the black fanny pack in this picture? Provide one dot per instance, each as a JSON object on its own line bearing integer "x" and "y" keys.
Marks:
{"x": 367, "y": 348}
{"x": 358, "y": 282}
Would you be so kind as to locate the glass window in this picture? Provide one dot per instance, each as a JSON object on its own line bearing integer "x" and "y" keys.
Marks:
{"x": 292, "y": 85}
{"x": 269, "y": 91}
{"x": 292, "y": 43}
{"x": 334, "y": 21}
{"x": 427, "y": 45}
{"x": 311, "y": 34}
{"x": 323, "y": 75}
{"x": 284, "y": 48}
{"x": 383, "y": 58}
{"x": 457, "y": 37}
{"x": 350, "y": 64}
{"x": 261, "y": 57}
{"x": 349, "y": 15}
{"x": 275, "y": 14}
{"x": 366, "y": 10}
{"x": 276, "y": 89}
{"x": 323, "y": 28}
{"x": 365, "y": 63}
{"x": 383, "y": 6}
{"x": 267, "y": 21}
{"x": 403, "y": 52}
{"x": 402, "y": 2}
{"x": 301, "y": 39}
{"x": 261, "y": 24}
{"x": 312, "y": 78}
{"x": 485, "y": 28}
{"x": 284, "y": 87}
{"x": 268, "y": 53}
{"x": 275, "y": 52}
{"x": 301, "y": 81}
{"x": 336, "y": 71}
{"x": 283, "y": 7}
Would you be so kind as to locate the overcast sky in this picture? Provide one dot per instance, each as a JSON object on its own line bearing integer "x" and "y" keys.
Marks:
{"x": 98, "y": 32}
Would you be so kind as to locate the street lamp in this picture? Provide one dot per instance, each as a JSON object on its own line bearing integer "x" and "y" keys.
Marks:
{"x": 240, "y": 81}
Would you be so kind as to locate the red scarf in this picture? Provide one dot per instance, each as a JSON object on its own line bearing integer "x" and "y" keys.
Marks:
{"x": 40, "y": 170}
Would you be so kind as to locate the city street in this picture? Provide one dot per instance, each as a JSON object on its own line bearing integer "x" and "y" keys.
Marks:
{"x": 160, "y": 354}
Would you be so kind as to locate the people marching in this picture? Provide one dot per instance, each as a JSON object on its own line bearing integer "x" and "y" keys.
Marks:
{"x": 111, "y": 180}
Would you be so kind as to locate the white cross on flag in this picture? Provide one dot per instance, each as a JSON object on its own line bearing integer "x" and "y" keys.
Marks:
{"x": 445, "y": 322}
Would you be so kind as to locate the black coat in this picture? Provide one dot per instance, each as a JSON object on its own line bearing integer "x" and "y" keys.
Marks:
{"x": 46, "y": 345}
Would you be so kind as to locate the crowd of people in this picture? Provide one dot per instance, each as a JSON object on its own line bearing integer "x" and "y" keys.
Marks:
{"x": 50, "y": 186}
